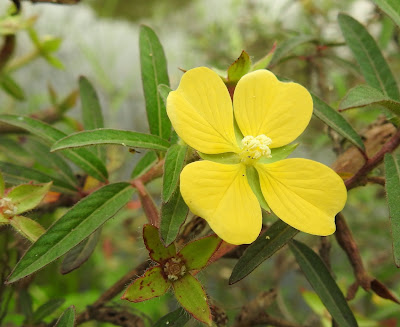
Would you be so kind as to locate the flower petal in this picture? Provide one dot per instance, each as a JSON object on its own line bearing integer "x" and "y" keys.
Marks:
{"x": 201, "y": 112}
{"x": 264, "y": 105}
{"x": 221, "y": 195}
{"x": 303, "y": 193}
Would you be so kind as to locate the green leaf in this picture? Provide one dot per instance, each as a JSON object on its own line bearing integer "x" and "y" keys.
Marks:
{"x": 80, "y": 253}
{"x": 239, "y": 68}
{"x": 164, "y": 90}
{"x": 286, "y": 47}
{"x": 54, "y": 161}
{"x": 144, "y": 164}
{"x": 336, "y": 121}
{"x": 262, "y": 248}
{"x": 254, "y": 182}
{"x": 323, "y": 283}
{"x": 27, "y": 227}
{"x": 15, "y": 174}
{"x": 47, "y": 309}
{"x": 2, "y": 185}
{"x": 158, "y": 252}
{"x": 152, "y": 284}
{"x": 173, "y": 215}
{"x": 228, "y": 158}
{"x": 392, "y": 174}
{"x": 28, "y": 196}
{"x": 368, "y": 55}
{"x": 280, "y": 153}
{"x": 154, "y": 72}
{"x": 177, "y": 318}
{"x": 72, "y": 228}
{"x": 391, "y": 8}
{"x": 91, "y": 111}
{"x": 364, "y": 95}
{"x": 11, "y": 87}
{"x": 67, "y": 319}
{"x": 83, "y": 158}
{"x": 111, "y": 136}
{"x": 174, "y": 162}
{"x": 198, "y": 252}
{"x": 192, "y": 297}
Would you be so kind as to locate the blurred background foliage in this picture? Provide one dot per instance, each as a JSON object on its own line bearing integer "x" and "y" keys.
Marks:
{"x": 100, "y": 41}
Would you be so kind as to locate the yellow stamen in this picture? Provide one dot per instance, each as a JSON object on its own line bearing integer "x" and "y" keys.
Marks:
{"x": 253, "y": 148}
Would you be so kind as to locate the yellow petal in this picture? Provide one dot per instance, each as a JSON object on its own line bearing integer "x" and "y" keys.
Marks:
{"x": 221, "y": 195}
{"x": 264, "y": 105}
{"x": 303, "y": 193}
{"x": 201, "y": 112}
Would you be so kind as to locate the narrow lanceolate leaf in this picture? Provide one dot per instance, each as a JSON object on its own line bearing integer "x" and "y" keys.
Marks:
{"x": 365, "y": 95}
{"x": 72, "y": 228}
{"x": 173, "y": 215}
{"x": 336, "y": 121}
{"x": 46, "y": 309}
{"x": 373, "y": 65}
{"x": 392, "y": 173}
{"x": 174, "y": 162}
{"x": 2, "y": 184}
{"x": 240, "y": 67}
{"x": 144, "y": 164}
{"x": 323, "y": 283}
{"x": 67, "y": 319}
{"x": 197, "y": 253}
{"x": 14, "y": 174}
{"x": 111, "y": 136}
{"x": 177, "y": 318}
{"x": 83, "y": 158}
{"x": 80, "y": 253}
{"x": 54, "y": 161}
{"x": 11, "y": 87}
{"x": 26, "y": 197}
{"x": 264, "y": 247}
{"x": 191, "y": 296}
{"x": 152, "y": 284}
{"x": 154, "y": 72}
{"x": 157, "y": 251}
{"x": 391, "y": 8}
{"x": 285, "y": 48}
{"x": 91, "y": 111}
{"x": 164, "y": 90}
{"x": 27, "y": 227}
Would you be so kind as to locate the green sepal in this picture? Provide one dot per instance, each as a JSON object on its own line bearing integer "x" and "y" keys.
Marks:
{"x": 152, "y": 284}
{"x": 2, "y": 185}
{"x": 26, "y": 197}
{"x": 279, "y": 153}
{"x": 27, "y": 227}
{"x": 157, "y": 251}
{"x": 198, "y": 252}
{"x": 228, "y": 158}
{"x": 254, "y": 182}
{"x": 191, "y": 295}
{"x": 239, "y": 68}
{"x": 264, "y": 61}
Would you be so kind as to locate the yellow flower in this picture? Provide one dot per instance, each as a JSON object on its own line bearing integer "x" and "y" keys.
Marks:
{"x": 267, "y": 114}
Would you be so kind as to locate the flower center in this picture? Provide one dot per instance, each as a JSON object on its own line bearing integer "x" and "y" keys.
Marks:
{"x": 7, "y": 208}
{"x": 253, "y": 148}
{"x": 174, "y": 268}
